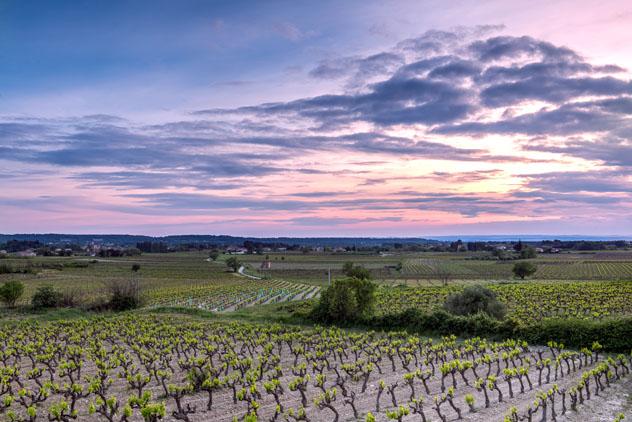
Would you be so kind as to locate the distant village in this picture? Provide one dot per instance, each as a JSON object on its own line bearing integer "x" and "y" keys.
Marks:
{"x": 100, "y": 247}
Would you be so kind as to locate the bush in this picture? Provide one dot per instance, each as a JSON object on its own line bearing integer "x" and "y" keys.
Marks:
{"x": 8, "y": 269}
{"x": 124, "y": 295}
{"x": 346, "y": 301}
{"x": 524, "y": 269}
{"x": 46, "y": 297}
{"x": 10, "y": 292}
{"x": 473, "y": 300}
{"x": 70, "y": 298}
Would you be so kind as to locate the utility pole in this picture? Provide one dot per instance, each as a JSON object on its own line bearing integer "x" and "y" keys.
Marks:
{"x": 329, "y": 276}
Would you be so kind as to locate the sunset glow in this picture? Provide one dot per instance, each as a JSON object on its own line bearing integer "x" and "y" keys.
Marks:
{"x": 273, "y": 119}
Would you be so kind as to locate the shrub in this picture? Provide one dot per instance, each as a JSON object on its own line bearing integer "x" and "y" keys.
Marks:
{"x": 8, "y": 269}
{"x": 473, "y": 300}
{"x": 46, "y": 297}
{"x": 70, "y": 298}
{"x": 613, "y": 334}
{"x": 346, "y": 301}
{"x": 10, "y": 292}
{"x": 124, "y": 295}
{"x": 135, "y": 268}
{"x": 524, "y": 269}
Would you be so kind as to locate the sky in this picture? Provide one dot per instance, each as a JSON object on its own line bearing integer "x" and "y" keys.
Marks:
{"x": 297, "y": 118}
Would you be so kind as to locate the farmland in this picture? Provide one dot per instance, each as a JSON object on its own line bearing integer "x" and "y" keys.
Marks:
{"x": 424, "y": 267}
{"x": 186, "y": 279}
{"x": 237, "y": 361}
{"x": 528, "y": 302}
{"x": 130, "y": 368}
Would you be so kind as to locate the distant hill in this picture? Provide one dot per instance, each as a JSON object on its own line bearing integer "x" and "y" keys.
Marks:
{"x": 132, "y": 240}
{"x": 528, "y": 238}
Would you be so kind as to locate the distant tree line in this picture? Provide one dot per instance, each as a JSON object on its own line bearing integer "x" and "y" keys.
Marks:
{"x": 115, "y": 252}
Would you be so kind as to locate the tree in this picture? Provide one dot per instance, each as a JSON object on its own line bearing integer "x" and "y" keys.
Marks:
{"x": 135, "y": 268}
{"x": 214, "y": 254}
{"x": 475, "y": 299}
{"x": 345, "y": 301}
{"x": 356, "y": 271}
{"x": 10, "y": 292}
{"x": 233, "y": 263}
{"x": 527, "y": 252}
{"x": 524, "y": 269}
{"x": 347, "y": 267}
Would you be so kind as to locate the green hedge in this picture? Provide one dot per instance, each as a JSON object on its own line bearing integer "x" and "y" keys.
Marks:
{"x": 614, "y": 335}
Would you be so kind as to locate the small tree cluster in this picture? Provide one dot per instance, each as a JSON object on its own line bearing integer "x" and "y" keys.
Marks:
{"x": 475, "y": 299}
{"x": 345, "y": 301}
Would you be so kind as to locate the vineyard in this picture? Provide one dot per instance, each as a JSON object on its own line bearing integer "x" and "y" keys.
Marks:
{"x": 527, "y": 302}
{"x": 141, "y": 368}
{"x": 548, "y": 269}
{"x": 231, "y": 297}
{"x": 426, "y": 266}
{"x": 166, "y": 280}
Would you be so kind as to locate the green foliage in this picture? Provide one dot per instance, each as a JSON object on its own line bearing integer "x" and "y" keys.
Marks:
{"x": 213, "y": 254}
{"x": 346, "y": 301}
{"x": 10, "y": 292}
{"x": 233, "y": 263}
{"x": 124, "y": 295}
{"x": 475, "y": 299}
{"x": 135, "y": 268}
{"x": 8, "y": 269}
{"x": 46, "y": 297}
{"x": 528, "y": 253}
{"x": 524, "y": 269}
{"x": 356, "y": 271}
{"x": 615, "y": 335}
